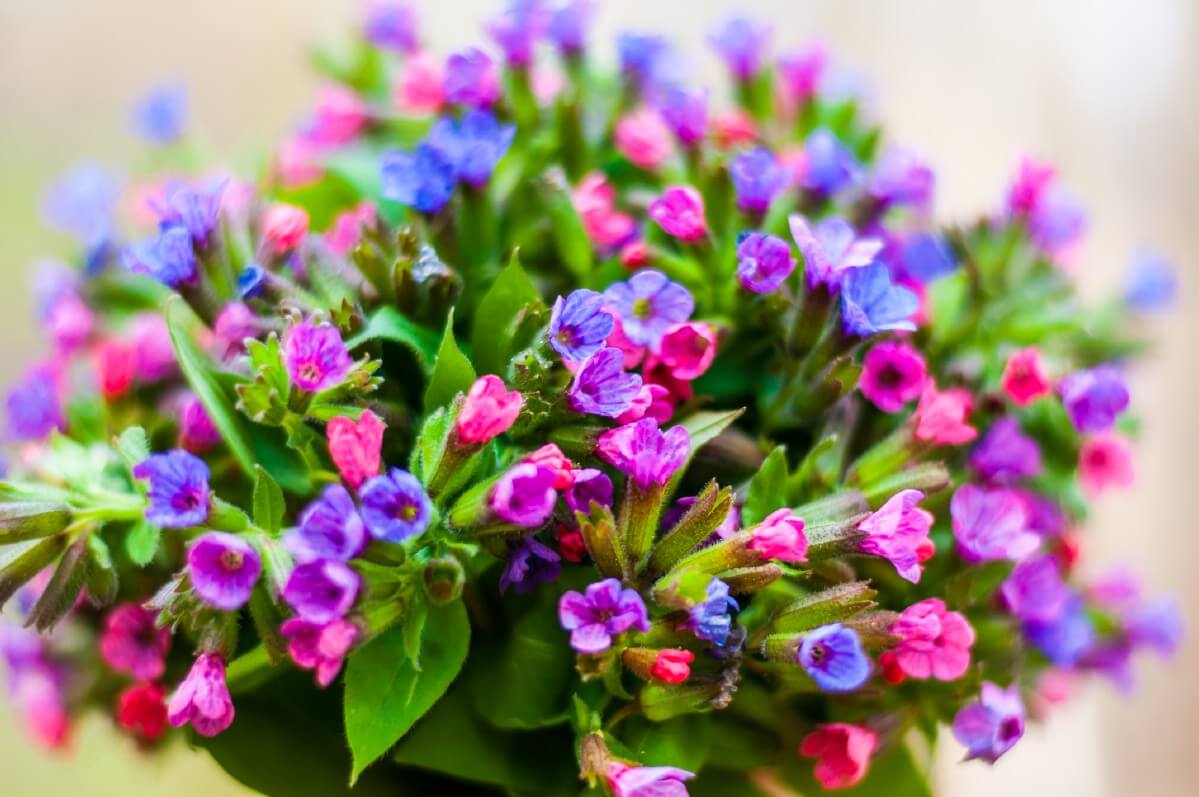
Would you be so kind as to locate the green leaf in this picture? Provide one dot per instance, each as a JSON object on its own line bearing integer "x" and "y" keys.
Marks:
{"x": 570, "y": 236}
{"x": 386, "y": 695}
{"x": 64, "y": 587}
{"x": 28, "y": 520}
{"x": 390, "y": 324}
{"x": 133, "y": 446}
{"x": 704, "y": 427}
{"x": 102, "y": 580}
{"x": 499, "y": 316}
{"x": 141, "y": 543}
{"x": 767, "y": 489}
{"x": 24, "y": 560}
{"x": 269, "y": 506}
{"x": 452, "y": 371}
{"x": 682, "y": 742}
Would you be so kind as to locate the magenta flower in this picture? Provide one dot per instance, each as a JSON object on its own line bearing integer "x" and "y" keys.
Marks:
{"x": 648, "y": 304}
{"x": 321, "y": 591}
{"x": 1005, "y": 454}
{"x": 322, "y": 648}
{"x": 178, "y": 491}
{"x": 626, "y": 781}
{"x": 315, "y": 356}
{"x": 524, "y": 495}
{"x": 833, "y": 656}
{"x": 780, "y": 536}
{"x": 603, "y": 611}
{"x": 763, "y": 262}
{"x": 284, "y": 228}
{"x": 223, "y": 569}
{"x": 601, "y": 386}
{"x": 1035, "y": 590}
{"x": 590, "y": 484}
{"x": 197, "y": 432}
{"x": 652, "y": 401}
{"x": 685, "y": 113}
{"x": 687, "y": 349}
{"x": 991, "y": 524}
{"x": 643, "y": 138}
{"x": 203, "y": 698}
{"x": 518, "y": 28}
{"x": 330, "y": 528}
{"x": 490, "y": 410}
{"x": 529, "y": 563}
{"x": 1094, "y": 398}
{"x": 550, "y": 456}
{"x": 1024, "y": 377}
{"x": 898, "y": 532}
{"x": 830, "y": 248}
{"x": 471, "y": 79}
{"x": 934, "y": 642}
{"x": 1105, "y": 461}
{"x": 594, "y": 200}
{"x": 355, "y": 446}
{"x": 680, "y": 213}
{"x": 893, "y": 373}
{"x": 395, "y": 506}
{"x": 643, "y": 452}
{"x": 941, "y": 416}
{"x": 993, "y": 725}
{"x": 842, "y": 753}
{"x": 132, "y": 642}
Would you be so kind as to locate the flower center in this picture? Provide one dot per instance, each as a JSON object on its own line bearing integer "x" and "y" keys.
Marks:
{"x": 310, "y": 372}
{"x": 642, "y": 308}
{"x": 818, "y": 653}
{"x": 1010, "y": 728}
{"x": 407, "y": 513}
{"x": 231, "y": 561}
{"x": 889, "y": 377}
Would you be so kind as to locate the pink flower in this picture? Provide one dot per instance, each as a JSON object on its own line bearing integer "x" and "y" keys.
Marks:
{"x": 941, "y": 416}
{"x": 551, "y": 457}
{"x": 133, "y": 644}
{"x": 297, "y": 163}
{"x": 842, "y": 753}
{"x": 652, "y": 401}
{"x": 687, "y": 349}
{"x": 320, "y": 647}
{"x": 340, "y": 116}
{"x": 203, "y": 698}
{"x": 347, "y": 228}
{"x": 155, "y": 352}
{"x": 490, "y": 410}
{"x": 934, "y": 641}
{"x": 419, "y": 88}
{"x": 643, "y": 452}
{"x": 633, "y": 352}
{"x": 673, "y": 665}
{"x": 644, "y": 139}
{"x": 893, "y": 374}
{"x": 734, "y": 128}
{"x": 70, "y": 322}
{"x": 898, "y": 532}
{"x": 635, "y": 255}
{"x": 991, "y": 524}
{"x": 1105, "y": 461}
{"x": 780, "y": 536}
{"x": 1032, "y": 179}
{"x": 355, "y": 447}
{"x": 233, "y": 325}
{"x": 197, "y": 432}
{"x": 680, "y": 213}
{"x": 595, "y": 202}
{"x": 626, "y": 781}
{"x": 283, "y": 228}
{"x": 116, "y": 364}
{"x": 1024, "y": 377}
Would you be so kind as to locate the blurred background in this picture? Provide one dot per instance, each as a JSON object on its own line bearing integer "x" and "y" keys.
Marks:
{"x": 1105, "y": 89}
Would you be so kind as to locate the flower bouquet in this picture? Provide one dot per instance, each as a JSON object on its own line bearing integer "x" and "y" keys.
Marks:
{"x": 530, "y": 428}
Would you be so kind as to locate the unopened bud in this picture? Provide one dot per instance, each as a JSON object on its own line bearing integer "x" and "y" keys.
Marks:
{"x": 443, "y": 578}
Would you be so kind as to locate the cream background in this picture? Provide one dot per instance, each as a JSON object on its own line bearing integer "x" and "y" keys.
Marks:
{"x": 1106, "y": 89}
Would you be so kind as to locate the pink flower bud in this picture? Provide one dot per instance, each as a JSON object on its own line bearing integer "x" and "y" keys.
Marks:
{"x": 842, "y": 753}
{"x": 116, "y": 365}
{"x": 680, "y": 213}
{"x": 551, "y": 457}
{"x": 780, "y": 536}
{"x": 644, "y": 139}
{"x": 687, "y": 349}
{"x": 490, "y": 410}
{"x": 419, "y": 89}
{"x": 1024, "y": 377}
{"x": 347, "y": 228}
{"x": 283, "y": 228}
{"x": 595, "y": 202}
{"x": 1105, "y": 461}
{"x": 734, "y": 128}
{"x": 355, "y": 447}
{"x": 941, "y": 416}
{"x": 673, "y": 666}
{"x": 203, "y": 698}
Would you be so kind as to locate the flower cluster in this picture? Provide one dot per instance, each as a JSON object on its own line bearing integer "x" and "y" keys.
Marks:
{"x": 529, "y": 399}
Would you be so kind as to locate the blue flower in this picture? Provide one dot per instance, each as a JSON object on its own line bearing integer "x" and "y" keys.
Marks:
{"x": 712, "y": 619}
{"x": 579, "y": 325}
{"x": 178, "y": 491}
{"x": 831, "y": 165}
{"x": 83, "y": 201}
{"x": 168, "y": 257}
{"x": 196, "y": 209}
{"x": 757, "y": 178}
{"x": 1150, "y": 283}
{"x": 742, "y": 43}
{"x": 161, "y": 115}
{"x": 473, "y": 146}
{"x": 832, "y": 655}
{"x": 251, "y": 281}
{"x": 569, "y": 25}
{"x": 641, "y": 55}
{"x": 394, "y": 506}
{"x": 34, "y": 407}
{"x": 926, "y": 257}
{"x": 423, "y": 179}
{"x": 1066, "y": 639}
{"x": 870, "y": 303}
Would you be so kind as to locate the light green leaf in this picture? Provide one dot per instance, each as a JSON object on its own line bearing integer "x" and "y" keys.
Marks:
{"x": 570, "y": 236}
{"x": 24, "y": 560}
{"x": 269, "y": 506}
{"x": 388, "y": 323}
{"x": 452, "y": 371}
{"x": 133, "y": 446}
{"x": 385, "y": 694}
{"x": 767, "y": 489}
{"x": 141, "y": 543}
{"x": 499, "y": 316}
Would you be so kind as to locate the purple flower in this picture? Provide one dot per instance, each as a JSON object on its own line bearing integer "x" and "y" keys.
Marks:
{"x": 649, "y": 303}
{"x": 1066, "y": 639}
{"x": 763, "y": 262}
{"x": 871, "y": 303}
{"x": 392, "y": 26}
{"x": 330, "y": 528}
{"x": 685, "y": 113}
{"x": 524, "y": 495}
{"x": 830, "y": 249}
{"x": 579, "y": 325}
{"x": 394, "y": 506}
{"x": 1035, "y": 590}
{"x": 423, "y": 179}
{"x": 1044, "y": 516}
{"x": 203, "y": 698}
{"x": 990, "y": 727}
{"x": 743, "y": 44}
{"x": 34, "y": 407}
{"x": 603, "y": 611}
{"x": 83, "y": 201}
{"x": 161, "y": 115}
{"x": 757, "y": 178}
{"x": 832, "y": 655}
{"x": 223, "y": 569}
{"x": 712, "y": 620}
{"x": 1150, "y": 283}
{"x": 644, "y": 453}
{"x": 628, "y": 781}
{"x": 1006, "y": 454}
{"x": 473, "y": 146}
{"x": 926, "y": 257}
{"x": 1094, "y": 398}
{"x": 321, "y": 591}
{"x": 641, "y": 55}
{"x": 830, "y": 164}
{"x": 898, "y": 532}
{"x": 529, "y": 563}
{"x": 470, "y": 79}
{"x": 1156, "y": 624}
{"x": 590, "y": 484}
{"x": 315, "y": 356}
{"x": 518, "y": 28}
{"x": 178, "y": 489}
{"x": 198, "y": 210}
{"x": 601, "y": 385}
{"x": 1057, "y": 221}
{"x": 991, "y": 524}
{"x": 902, "y": 178}
{"x": 168, "y": 257}
{"x": 570, "y": 24}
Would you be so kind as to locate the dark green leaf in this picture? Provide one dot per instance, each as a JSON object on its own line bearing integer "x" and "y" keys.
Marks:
{"x": 704, "y": 427}
{"x": 267, "y": 620}
{"x": 452, "y": 371}
{"x": 269, "y": 506}
{"x": 570, "y": 236}
{"x": 102, "y": 580}
{"x": 64, "y": 587}
{"x": 499, "y": 317}
{"x": 767, "y": 490}
{"x": 28, "y": 520}
{"x": 141, "y": 543}
{"x": 388, "y": 323}
{"x": 682, "y": 742}
{"x": 24, "y": 560}
{"x": 386, "y": 695}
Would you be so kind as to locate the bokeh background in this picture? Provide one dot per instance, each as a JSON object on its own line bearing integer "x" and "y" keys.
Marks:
{"x": 1106, "y": 89}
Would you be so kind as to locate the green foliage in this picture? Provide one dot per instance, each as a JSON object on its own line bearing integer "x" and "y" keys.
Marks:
{"x": 767, "y": 489}
{"x": 269, "y": 506}
{"x": 141, "y": 542}
{"x": 390, "y": 324}
{"x": 452, "y": 371}
{"x": 501, "y": 324}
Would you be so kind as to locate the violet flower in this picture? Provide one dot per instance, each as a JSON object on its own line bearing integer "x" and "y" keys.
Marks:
{"x": 991, "y": 524}
{"x": 529, "y": 563}
{"x": 34, "y": 407}
{"x": 330, "y": 528}
{"x": 392, "y": 25}
{"x": 924, "y": 258}
{"x": 644, "y": 453}
{"x": 870, "y": 303}
{"x": 685, "y": 112}
{"x": 518, "y": 28}
{"x": 1155, "y": 624}
{"x": 898, "y": 532}
{"x": 315, "y": 356}
{"x": 524, "y": 495}
{"x": 161, "y": 115}
{"x": 198, "y": 210}
{"x": 763, "y": 262}
{"x": 830, "y": 164}
{"x": 902, "y": 178}
{"x": 601, "y": 386}
{"x": 569, "y": 25}
{"x": 321, "y": 591}
{"x": 830, "y": 249}
{"x": 833, "y": 656}
{"x": 590, "y": 484}
{"x": 168, "y": 257}
{"x": 742, "y": 44}
{"x": 471, "y": 79}
{"x": 626, "y": 781}
{"x": 1006, "y": 454}
{"x": 223, "y": 569}
{"x": 993, "y": 725}
{"x": 604, "y": 610}
{"x": 641, "y": 55}
{"x": 1066, "y": 639}
{"x": 758, "y": 177}
{"x": 649, "y": 303}
{"x": 83, "y": 202}
{"x": 1150, "y": 282}
{"x": 1094, "y": 398}
{"x": 178, "y": 493}
{"x": 395, "y": 506}
{"x": 712, "y": 619}
{"x": 203, "y": 698}
{"x": 1035, "y": 590}
{"x": 579, "y": 325}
